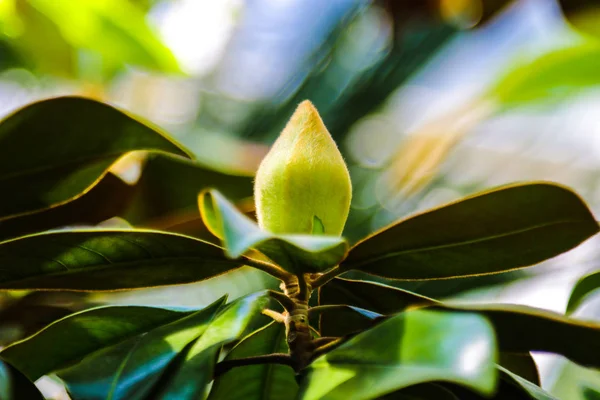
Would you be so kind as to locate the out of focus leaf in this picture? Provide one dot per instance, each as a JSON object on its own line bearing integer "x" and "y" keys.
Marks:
{"x": 69, "y": 340}
{"x": 15, "y": 386}
{"x": 192, "y": 373}
{"x": 114, "y": 29}
{"x": 167, "y": 192}
{"x": 54, "y": 150}
{"x": 410, "y": 348}
{"x": 259, "y": 382}
{"x": 424, "y": 391}
{"x": 555, "y": 75}
{"x": 105, "y": 200}
{"x": 495, "y": 231}
{"x": 583, "y": 289}
{"x": 295, "y": 253}
{"x": 108, "y": 260}
{"x": 130, "y": 369}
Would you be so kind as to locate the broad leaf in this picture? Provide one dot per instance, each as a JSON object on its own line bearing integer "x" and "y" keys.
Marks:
{"x": 410, "y": 348}
{"x": 517, "y": 327}
{"x": 131, "y": 368}
{"x": 491, "y": 232}
{"x": 69, "y": 340}
{"x": 294, "y": 253}
{"x": 15, "y": 386}
{"x": 424, "y": 391}
{"x": 259, "y": 382}
{"x": 583, "y": 290}
{"x": 108, "y": 260}
{"x": 54, "y": 150}
{"x": 191, "y": 375}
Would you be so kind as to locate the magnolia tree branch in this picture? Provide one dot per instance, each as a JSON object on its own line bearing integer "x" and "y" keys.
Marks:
{"x": 269, "y": 268}
{"x": 285, "y": 301}
{"x": 275, "y": 358}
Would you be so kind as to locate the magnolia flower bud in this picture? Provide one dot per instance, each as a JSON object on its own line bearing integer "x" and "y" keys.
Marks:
{"x": 303, "y": 184}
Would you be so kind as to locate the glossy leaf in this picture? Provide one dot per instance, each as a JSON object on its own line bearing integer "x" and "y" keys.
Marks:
{"x": 68, "y": 340}
{"x": 424, "y": 391}
{"x": 491, "y": 232}
{"x": 54, "y": 150}
{"x": 108, "y": 260}
{"x": 131, "y": 368}
{"x": 533, "y": 391}
{"x": 517, "y": 327}
{"x": 259, "y": 382}
{"x": 295, "y": 253}
{"x": 15, "y": 386}
{"x": 410, "y": 348}
{"x": 583, "y": 289}
{"x": 558, "y": 74}
{"x": 190, "y": 378}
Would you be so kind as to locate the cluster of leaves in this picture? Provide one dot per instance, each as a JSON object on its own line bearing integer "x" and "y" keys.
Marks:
{"x": 370, "y": 340}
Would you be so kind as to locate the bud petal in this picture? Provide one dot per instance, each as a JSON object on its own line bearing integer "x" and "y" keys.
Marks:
{"x": 303, "y": 184}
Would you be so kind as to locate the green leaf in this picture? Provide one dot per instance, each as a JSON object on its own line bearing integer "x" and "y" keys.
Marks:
{"x": 424, "y": 391}
{"x": 70, "y": 339}
{"x": 410, "y": 348}
{"x": 521, "y": 364}
{"x": 107, "y": 199}
{"x": 15, "y": 386}
{"x": 583, "y": 290}
{"x": 167, "y": 191}
{"x": 191, "y": 377}
{"x": 259, "y": 382}
{"x": 295, "y": 253}
{"x": 517, "y": 327}
{"x": 108, "y": 260}
{"x": 130, "y": 369}
{"x": 523, "y": 385}
{"x": 117, "y": 32}
{"x": 491, "y": 232}
{"x": 558, "y": 74}
{"x": 54, "y": 150}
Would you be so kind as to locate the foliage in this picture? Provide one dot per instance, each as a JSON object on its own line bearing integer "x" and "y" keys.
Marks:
{"x": 326, "y": 337}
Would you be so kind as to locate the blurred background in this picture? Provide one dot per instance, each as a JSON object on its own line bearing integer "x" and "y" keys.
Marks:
{"x": 429, "y": 101}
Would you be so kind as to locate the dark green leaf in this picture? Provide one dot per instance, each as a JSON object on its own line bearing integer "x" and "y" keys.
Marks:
{"x": 295, "y": 253}
{"x": 105, "y": 200}
{"x": 363, "y": 295}
{"x": 108, "y": 260}
{"x": 491, "y": 232}
{"x": 191, "y": 377}
{"x": 410, "y": 348}
{"x": 167, "y": 191}
{"x": 259, "y": 382}
{"x": 130, "y": 369}
{"x": 424, "y": 391}
{"x": 54, "y": 150}
{"x": 585, "y": 287}
{"x": 15, "y": 386}
{"x": 523, "y": 385}
{"x": 67, "y": 341}
{"x": 517, "y": 327}
{"x": 521, "y": 364}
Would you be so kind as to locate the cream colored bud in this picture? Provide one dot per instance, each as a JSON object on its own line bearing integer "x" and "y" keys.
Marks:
{"x": 303, "y": 184}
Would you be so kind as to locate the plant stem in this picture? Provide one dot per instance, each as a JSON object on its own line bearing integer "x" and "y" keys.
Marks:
{"x": 267, "y": 267}
{"x": 278, "y": 317}
{"x": 275, "y": 358}
{"x": 284, "y": 300}
{"x": 329, "y": 345}
{"x": 326, "y": 277}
